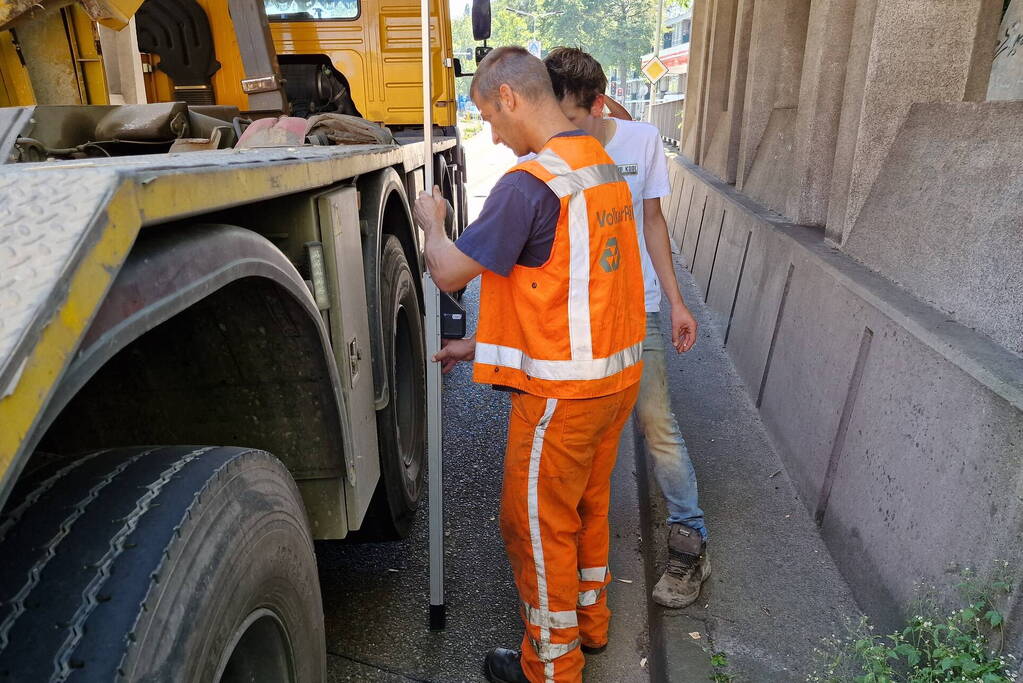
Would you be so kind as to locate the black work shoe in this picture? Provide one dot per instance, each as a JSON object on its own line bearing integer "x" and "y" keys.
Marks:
{"x": 688, "y": 567}
{"x": 593, "y": 649}
{"x": 503, "y": 666}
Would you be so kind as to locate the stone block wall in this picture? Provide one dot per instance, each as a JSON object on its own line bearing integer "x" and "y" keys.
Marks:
{"x": 852, "y": 205}
{"x": 901, "y": 429}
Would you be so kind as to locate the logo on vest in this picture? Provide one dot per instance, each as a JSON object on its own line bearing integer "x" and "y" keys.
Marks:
{"x": 611, "y": 258}
{"x": 606, "y": 219}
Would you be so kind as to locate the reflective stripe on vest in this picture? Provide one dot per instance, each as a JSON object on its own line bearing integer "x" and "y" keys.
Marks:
{"x": 594, "y": 368}
{"x": 565, "y": 183}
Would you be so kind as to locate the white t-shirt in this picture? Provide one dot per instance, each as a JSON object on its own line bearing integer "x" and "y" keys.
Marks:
{"x": 637, "y": 151}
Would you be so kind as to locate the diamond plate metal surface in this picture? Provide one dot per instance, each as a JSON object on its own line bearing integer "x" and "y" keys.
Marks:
{"x": 46, "y": 224}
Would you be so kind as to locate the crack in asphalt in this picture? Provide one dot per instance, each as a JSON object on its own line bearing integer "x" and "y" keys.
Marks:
{"x": 384, "y": 669}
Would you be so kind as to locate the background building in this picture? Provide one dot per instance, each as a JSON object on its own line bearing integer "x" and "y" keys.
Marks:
{"x": 849, "y": 195}
{"x": 674, "y": 53}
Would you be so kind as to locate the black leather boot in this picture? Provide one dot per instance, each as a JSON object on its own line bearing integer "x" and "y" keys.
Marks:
{"x": 503, "y": 666}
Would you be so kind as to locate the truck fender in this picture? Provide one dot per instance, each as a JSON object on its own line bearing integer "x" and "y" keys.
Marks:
{"x": 173, "y": 269}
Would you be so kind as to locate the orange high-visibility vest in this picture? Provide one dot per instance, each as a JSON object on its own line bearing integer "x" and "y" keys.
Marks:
{"x": 573, "y": 327}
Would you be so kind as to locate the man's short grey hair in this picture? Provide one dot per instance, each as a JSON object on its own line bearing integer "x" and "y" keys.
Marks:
{"x": 516, "y": 67}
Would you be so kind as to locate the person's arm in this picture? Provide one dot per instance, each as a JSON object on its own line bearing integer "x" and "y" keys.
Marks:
{"x": 615, "y": 110}
{"x": 450, "y": 269}
{"x": 655, "y": 233}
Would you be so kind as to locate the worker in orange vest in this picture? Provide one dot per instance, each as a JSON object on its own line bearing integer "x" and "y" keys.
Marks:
{"x": 561, "y": 327}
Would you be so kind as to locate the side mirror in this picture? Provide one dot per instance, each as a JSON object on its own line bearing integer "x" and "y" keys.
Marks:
{"x": 480, "y": 20}
{"x": 458, "y": 69}
{"x": 482, "y": 51}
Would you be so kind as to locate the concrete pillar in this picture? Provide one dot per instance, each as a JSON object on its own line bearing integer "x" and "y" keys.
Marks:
{"x": 722, "y": 156}
{"x": 903, "y": 51}
{"x": 776, "y": 52}
{"x": 1007, "y": 69}
{"x": 825, "y": 59}
{"x": 699, "y": 46}
{"x": 716, "y": 133}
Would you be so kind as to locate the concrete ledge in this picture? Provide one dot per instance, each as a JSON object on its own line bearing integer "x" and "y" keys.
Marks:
{"x": 900, "y": 428}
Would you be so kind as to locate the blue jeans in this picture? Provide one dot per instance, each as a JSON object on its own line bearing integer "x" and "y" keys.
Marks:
{"x": 664, "y": 443}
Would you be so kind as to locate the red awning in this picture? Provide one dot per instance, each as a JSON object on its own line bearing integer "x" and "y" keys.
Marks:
{"x": 675, "y": 60}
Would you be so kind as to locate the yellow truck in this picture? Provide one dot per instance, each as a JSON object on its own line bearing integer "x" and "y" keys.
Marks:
{"x": 211, "y": 353}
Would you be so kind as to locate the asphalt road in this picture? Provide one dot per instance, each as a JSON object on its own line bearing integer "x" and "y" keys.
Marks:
{"x": 376, "y": 595}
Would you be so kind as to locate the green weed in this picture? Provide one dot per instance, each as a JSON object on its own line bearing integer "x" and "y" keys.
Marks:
{"x": 935, "y": 645}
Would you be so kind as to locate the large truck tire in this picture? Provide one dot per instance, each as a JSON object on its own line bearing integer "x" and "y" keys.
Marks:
{"x": 401, "y": 426}
{"x": 171, "y": 563}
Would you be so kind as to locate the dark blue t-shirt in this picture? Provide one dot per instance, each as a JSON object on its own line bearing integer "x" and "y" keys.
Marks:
{"x": 517, "y": 223}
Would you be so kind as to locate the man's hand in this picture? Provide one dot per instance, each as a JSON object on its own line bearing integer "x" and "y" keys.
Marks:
{"x": 455, "y": 350}
{"x": 430, "y": 211}
{"x": 683, "y": 327}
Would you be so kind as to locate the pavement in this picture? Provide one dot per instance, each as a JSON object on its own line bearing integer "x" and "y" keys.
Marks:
{"x": 773, "y": 594}
{"x": 774, "y": 591}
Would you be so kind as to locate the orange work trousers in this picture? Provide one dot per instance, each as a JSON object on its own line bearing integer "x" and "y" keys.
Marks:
{"x": 557, "y": 486}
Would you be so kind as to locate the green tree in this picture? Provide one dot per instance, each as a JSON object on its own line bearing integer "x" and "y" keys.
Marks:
{"x": 616, "y": 32}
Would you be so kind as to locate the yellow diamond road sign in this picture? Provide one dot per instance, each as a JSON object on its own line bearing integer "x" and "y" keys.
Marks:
{"x": 654, "y": 69}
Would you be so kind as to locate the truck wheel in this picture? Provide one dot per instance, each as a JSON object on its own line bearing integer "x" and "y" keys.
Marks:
{"x": 401, "y": 426}
{"x": 171, "y": 563}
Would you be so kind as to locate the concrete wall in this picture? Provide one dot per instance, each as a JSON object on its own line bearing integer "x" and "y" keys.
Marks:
{"x": 852, "y": 209}
{"x": 1007, "y": 68}
{"x": 944, "y": 217}
{"x": 902, "y": 429}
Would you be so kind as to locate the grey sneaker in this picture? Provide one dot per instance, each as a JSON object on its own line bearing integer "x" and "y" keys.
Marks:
{"x": 688, "y": 567}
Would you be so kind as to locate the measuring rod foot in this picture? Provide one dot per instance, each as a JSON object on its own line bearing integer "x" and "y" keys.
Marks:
{"x": 437, "y": 617}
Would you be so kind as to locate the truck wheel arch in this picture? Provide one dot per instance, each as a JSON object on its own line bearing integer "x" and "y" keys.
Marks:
{"x": 384, "y": 209}
{"x": 194, "y": 282}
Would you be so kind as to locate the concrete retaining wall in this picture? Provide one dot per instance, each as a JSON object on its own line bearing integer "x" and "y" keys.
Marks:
{"x": 945, "y": 217}
{"x": 902, "y": 429}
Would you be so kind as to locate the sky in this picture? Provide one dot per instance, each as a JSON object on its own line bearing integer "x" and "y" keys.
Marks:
{"x": 457, "y": 7}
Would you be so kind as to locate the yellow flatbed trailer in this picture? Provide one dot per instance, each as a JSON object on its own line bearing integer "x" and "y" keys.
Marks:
{"x": 207, "y": 360}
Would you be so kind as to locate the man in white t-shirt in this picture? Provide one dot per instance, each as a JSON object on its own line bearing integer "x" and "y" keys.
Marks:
{"x": 579, "y": 83}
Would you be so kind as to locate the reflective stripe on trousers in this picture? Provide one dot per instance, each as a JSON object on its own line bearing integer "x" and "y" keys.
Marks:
{"x": 587, "y": 598}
